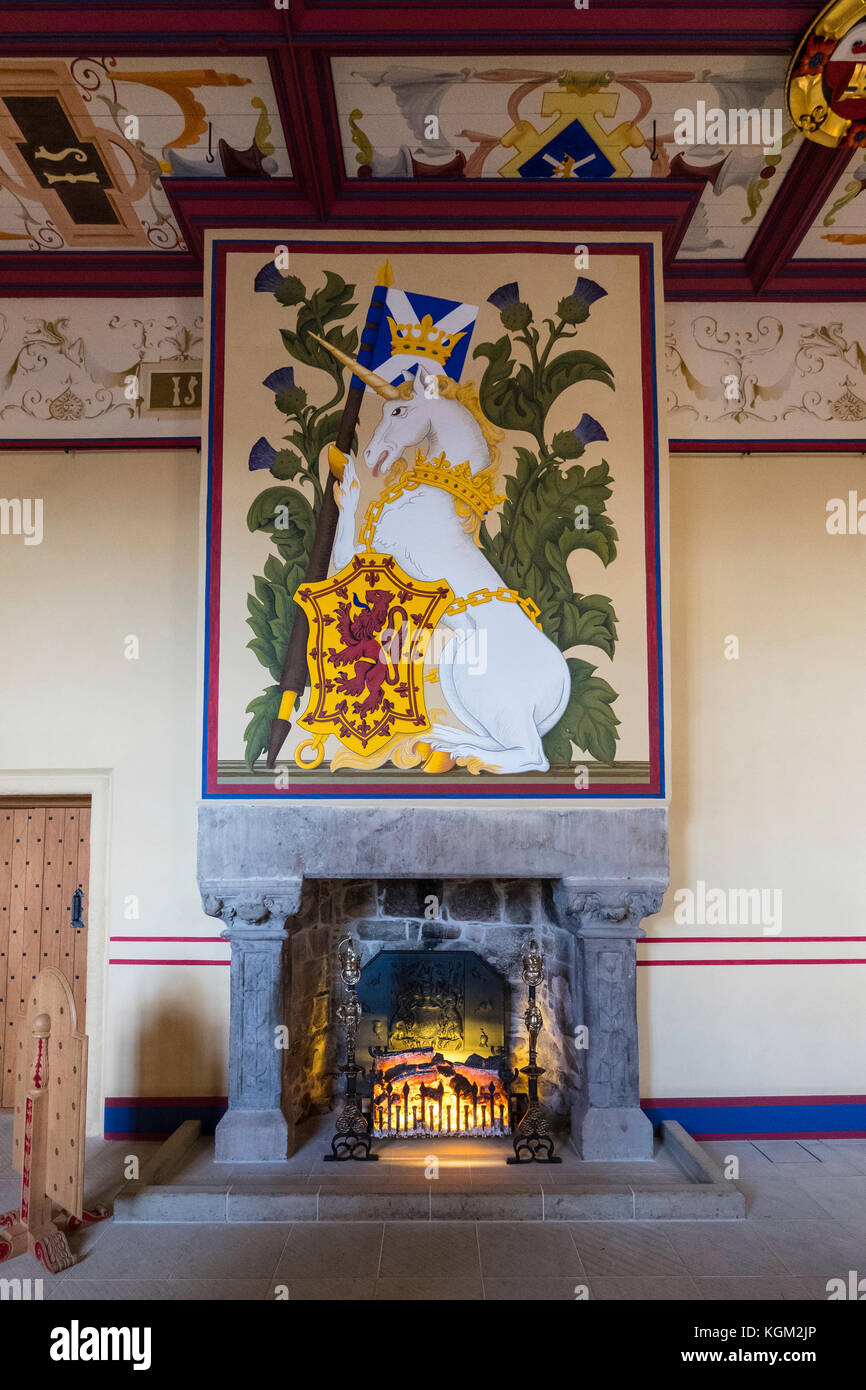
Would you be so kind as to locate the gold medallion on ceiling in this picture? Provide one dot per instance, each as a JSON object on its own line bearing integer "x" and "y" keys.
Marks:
{"x": 825, "y": 86}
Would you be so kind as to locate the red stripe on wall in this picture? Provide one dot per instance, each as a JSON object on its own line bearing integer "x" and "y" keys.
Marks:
{"x": 831, "y": 960}
{"x": 677, "y": 940}
{"x": 155, "y": 961}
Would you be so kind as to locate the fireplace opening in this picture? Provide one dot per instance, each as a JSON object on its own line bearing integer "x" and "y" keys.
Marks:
{"x": 433, "y": 1024}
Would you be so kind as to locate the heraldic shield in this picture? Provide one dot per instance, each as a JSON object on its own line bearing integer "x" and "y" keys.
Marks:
{"x": 370, "y": 626}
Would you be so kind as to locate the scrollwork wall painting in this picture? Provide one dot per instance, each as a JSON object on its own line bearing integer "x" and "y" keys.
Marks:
{"x": 77, "y": 369}
{"x": 487, "y": 623}
{"x": 734, "y": 371}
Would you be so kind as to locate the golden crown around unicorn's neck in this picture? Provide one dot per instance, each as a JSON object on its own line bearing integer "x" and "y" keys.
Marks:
{"x": 423, "y": 340}
{"x": 474, "y": 490}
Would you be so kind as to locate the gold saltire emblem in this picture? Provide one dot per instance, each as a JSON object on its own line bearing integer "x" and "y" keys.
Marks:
{"x": 370, "y": 626}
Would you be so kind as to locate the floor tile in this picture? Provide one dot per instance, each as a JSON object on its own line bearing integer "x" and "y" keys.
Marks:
{"x": 457, "y": 1288}
{"x": 723, "y": 1247}
{"x": 552, "y": 1288}
{"x": 751, "y": 1288}
{"x": 645, "y": 1288}
{"x": 775, "y": 1198}
{"x": 832, "y": 1160}
{"x": 231, "y": 1251}
{"x": 852, "y": 1150}
{"x": 221, "y": 1290}
{"x": 816, "y": 1247}
{"x": 437, "y": 1249}
{"x": 137, "y": 1250}
{"x": 114, "y": 1290}
{"x": 843, "y": 1198}
{"x": 331, "y": 1250}
{"x": 783, "y": 1150}
{"x": 626, "y": 1248}
{"x": 323, "y": 1290}
{"x": 527, "y": 1249}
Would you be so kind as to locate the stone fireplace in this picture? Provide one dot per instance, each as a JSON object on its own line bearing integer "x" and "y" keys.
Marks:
{"x": 427, "y": 891}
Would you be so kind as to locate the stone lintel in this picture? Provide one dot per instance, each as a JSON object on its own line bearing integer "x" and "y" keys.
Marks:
{"x": 244, "y": 842}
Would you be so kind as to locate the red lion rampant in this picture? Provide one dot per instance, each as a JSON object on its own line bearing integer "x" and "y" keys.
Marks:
{"x": 362, "y": 649}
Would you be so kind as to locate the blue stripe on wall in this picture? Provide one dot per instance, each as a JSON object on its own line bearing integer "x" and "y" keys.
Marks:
{"x": 158, "y": 1121}
{"x": 757, "y": 1121}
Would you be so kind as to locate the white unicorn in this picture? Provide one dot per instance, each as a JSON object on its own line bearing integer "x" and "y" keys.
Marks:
{"x": 523, "y": 688}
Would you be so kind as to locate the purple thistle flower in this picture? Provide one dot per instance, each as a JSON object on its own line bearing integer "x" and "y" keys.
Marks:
{"x": 505, "y": 295}
{"x": 283, "y": 379}
{"x": 268, "y": 279}
{"x": 262, "y": 454}
{"x": 588, "y": 430}
{"x": 587, "y": 291}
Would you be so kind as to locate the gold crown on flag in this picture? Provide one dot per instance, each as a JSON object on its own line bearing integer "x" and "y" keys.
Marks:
{"x": 423, "y": 339}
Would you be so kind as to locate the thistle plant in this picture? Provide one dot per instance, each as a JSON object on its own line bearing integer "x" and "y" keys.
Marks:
{"x": 554, "y": 505}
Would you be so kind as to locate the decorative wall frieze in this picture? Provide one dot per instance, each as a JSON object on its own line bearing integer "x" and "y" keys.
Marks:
{"x": 731, "y": 371}
{"x": 768, "y": 372}
{"x": 100, "y": 369}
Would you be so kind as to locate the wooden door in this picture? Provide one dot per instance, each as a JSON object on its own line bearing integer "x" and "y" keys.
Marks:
{"x": 44, "y": 857}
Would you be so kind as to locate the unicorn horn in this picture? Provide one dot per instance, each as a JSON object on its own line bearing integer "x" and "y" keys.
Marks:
{"x": 379, "y": 384}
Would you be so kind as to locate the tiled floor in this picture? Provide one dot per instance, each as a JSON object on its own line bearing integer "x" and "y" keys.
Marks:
{"x": 806, "y": 1224}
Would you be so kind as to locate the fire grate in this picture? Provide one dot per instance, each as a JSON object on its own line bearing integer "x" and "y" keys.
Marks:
{"x": 434, "y": 1026}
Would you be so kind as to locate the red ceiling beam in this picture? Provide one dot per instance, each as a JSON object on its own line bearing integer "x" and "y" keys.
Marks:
{"x": 31, "y": 27}
{"x": 507, "y": 26}
{"x": 807, "y": 185}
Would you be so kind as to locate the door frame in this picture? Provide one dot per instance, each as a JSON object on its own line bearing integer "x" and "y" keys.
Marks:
{"x": 98, "y": 786}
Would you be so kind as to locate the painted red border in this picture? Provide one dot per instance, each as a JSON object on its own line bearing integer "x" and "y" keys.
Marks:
{"x": 412, "y": 787}
{"x": 767, "y": 446}
{"x": 70, "y": 445}
{"x": 818, "y": 960}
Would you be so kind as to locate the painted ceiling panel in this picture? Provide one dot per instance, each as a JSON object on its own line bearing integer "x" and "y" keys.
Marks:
{"x": 85, "y": 143}
{"x": 840, "y": 228}
{"x": 535, "y": 118}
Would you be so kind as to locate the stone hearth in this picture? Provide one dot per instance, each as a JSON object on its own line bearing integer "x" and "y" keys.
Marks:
{"x": 288, "y": 881}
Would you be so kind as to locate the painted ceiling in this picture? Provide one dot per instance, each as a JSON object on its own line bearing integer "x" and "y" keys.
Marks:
{"x": 485, "y": 118}
{"x": 331, "y": 113}
{"x": 85, "y": 144}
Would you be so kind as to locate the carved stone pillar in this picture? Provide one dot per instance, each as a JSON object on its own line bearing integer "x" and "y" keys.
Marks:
{"x": 255, "y": 1128}
{"x": 609, "y": 1123}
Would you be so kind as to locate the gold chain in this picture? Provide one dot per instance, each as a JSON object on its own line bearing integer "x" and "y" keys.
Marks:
{"x": 408, "y": 483}
{"x": 505, "y": 595}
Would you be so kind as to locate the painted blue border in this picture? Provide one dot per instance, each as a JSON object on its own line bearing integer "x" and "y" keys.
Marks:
{"x": 365, "y": 795}
{"x": 731, "y": 1121}
{"x": 750, "y": 1121}
{"x": 162, "y": 1120}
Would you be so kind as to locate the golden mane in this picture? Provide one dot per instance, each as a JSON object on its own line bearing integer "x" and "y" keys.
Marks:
{"x": 467, "y": 395}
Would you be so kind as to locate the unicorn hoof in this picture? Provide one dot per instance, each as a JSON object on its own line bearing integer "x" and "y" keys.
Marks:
{"x": 436, "y": 761}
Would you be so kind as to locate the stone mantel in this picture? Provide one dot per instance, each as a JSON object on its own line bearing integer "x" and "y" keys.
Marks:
{"x": 609, "y": 870}
{"x": 246, "y": 843}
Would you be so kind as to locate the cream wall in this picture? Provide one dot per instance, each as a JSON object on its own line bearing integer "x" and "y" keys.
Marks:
{"x": 769, "y": 759}
{"x": 769, "y": 763}
{"x": 120, "y": 558}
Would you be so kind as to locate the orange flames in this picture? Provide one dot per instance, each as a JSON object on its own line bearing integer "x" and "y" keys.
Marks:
{"x": 423, "y": 1093}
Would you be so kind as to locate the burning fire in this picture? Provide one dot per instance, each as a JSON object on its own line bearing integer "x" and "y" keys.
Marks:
{"x": 422, "y": 1093}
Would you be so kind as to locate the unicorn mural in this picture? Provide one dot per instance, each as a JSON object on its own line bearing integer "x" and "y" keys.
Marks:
{"x": 438, "y": 455}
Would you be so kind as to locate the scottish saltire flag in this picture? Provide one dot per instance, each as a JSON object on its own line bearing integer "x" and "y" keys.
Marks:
{"x": 417, "y": 328}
